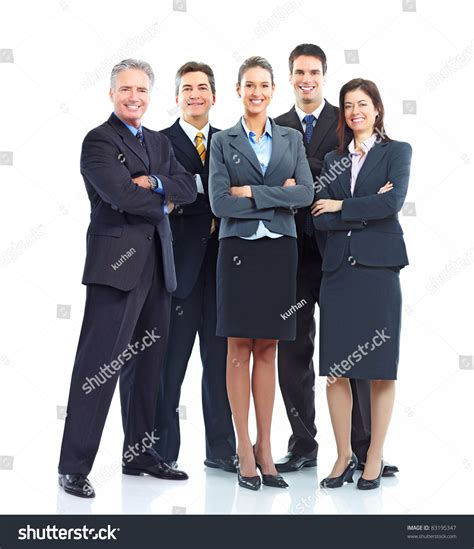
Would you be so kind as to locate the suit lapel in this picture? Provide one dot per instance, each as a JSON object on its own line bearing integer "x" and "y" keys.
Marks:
{"x": 374, "y": 156}
{"x": 344, "y": 177}
{"x": 242, "y": 146}
{"x": 279, "y": 147}
{"x": 182, "y": 142}
{"x": 130, "y": 140}
{"x": 323, "y": 125}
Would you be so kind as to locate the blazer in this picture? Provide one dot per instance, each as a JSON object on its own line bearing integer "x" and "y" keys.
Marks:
{"x": 124, "y": 216}
{"x": 233, "y": 162}
{"x": 376, "y": 237}
{"x": 190, "y": 224}
{"x": 324, "y": 140}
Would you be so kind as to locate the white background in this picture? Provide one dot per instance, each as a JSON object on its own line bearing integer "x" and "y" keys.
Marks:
{"x": 54, "y": 88}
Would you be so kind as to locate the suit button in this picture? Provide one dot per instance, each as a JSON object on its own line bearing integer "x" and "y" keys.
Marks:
{"x": 149, "y": 236}
{"x": 351, "y": 260}
{"x": 364, "y": 223}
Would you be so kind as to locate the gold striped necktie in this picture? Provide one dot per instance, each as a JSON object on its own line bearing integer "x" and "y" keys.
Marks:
{"x": 201, "y": 149}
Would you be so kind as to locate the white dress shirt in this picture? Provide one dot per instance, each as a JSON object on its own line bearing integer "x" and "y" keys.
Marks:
{"x": 191, "y": 132}
{"x": 301, "y": 114}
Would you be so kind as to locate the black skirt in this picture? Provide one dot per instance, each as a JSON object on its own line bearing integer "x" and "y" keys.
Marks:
{"x": 256, "y": 288}
{"x": 360, "y": 320}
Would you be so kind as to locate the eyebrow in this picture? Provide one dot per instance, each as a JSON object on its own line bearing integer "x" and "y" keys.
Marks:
{"x": 251, "y": 82}
{"x": 360, "y": 101}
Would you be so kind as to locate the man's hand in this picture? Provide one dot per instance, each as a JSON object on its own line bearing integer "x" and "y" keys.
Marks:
{"x": 170, "y": 206}
{"x": 326, "y": 205}
{"x": 289, "y": 183}
{"x": 387, "y": 187}
{"x": 142, "y": 181}
{"x": 242, "y": 192}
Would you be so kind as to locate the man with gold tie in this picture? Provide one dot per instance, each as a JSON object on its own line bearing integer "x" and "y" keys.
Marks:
{"x": 193, "y": 308}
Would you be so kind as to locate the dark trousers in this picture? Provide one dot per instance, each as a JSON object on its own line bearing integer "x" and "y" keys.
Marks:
{"x": 128, "y": 330}
{"x": 296, "y": 368}
{"x": 196, "y": 314}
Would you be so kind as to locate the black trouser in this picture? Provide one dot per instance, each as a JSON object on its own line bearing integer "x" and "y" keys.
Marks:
{"x": 296, "y": 368}
{"x": 196, "y": 314}
{"x": 121, "y": 329}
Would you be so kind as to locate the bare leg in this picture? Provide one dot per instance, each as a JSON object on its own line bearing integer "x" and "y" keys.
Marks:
{"x": 263, "y": 390}
{"x": 238, "y": 391}
{"x": 339, "y": 395}
{"x": 382, "y": 398}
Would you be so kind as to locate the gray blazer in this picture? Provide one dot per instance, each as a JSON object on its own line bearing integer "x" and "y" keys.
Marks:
{"x": 233, "y": 162}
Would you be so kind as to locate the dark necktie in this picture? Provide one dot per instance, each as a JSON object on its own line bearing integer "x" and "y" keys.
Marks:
{"x": 308, "y": 133}
{"x": 139, "y": 136}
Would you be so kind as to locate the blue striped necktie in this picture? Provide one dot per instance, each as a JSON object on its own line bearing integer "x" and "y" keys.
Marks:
{"x": 308, "y": 133}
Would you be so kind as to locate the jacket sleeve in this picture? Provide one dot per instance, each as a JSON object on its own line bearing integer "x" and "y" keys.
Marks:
{"x": 380, "y": 206}
{"x": 331, "y": 221}
{"x": 112, "y": 181}
{"x": 179, "y": 185}
{"x": 222, "y": 203}
{"x": 296, "y": 196}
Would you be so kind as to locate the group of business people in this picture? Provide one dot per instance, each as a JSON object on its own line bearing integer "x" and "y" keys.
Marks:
{"x": 234, "y": 236}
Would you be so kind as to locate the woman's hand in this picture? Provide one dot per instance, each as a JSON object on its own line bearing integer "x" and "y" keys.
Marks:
{"x": 244, "y": 191}
{"x": 387, "y": 187}
{"x": 326, "y": 205}
{"x": 289, "y": 183}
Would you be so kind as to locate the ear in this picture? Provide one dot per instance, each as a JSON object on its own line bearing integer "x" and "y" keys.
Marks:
{"x": 237, "y": 87}
{"x": 213, "y": 100}
{"x": 177, "y": 100}
{"x": 111, "y": 94}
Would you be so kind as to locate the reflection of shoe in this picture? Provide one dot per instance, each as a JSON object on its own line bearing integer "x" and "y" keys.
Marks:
{"x": 252, "y": 483}
{"x": 275, "y": 481}
{"x": 388, "y": 469}
{"x": 161, "y": 469}
{"x": 294, "y": 462}
{"x": 228, "y": 464}
{"x": 76, "y": 485}
{"x": 364, "y": 484}
{"x": 348, "y": 473}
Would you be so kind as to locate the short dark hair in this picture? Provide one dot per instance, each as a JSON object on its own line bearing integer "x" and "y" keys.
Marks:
{"x": 250, "y": 63}
{"x": 194, "y": 66}
{"x": 308, "y": 49}
{"x": 344, "y": 133}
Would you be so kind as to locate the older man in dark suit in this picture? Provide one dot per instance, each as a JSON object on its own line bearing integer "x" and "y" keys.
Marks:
{"x": 133, "y": 181}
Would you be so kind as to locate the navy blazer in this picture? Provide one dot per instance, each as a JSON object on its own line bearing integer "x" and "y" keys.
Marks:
{"x": 190, "y": 224}
{"x": 234, "y": 162}
{"x": 377, "y": 237}
{"x": 125, "y": 216}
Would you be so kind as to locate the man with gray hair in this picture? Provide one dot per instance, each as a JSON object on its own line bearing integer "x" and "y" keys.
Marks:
{"x": 133, "y": 181}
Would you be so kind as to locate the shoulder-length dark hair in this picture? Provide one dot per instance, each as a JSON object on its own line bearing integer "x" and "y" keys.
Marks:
{"x": 344, "y": 133}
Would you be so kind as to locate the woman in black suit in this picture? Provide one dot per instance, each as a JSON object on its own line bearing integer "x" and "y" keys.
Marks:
{"x": 258, "y": 176}
{"x": 359, "y": 194}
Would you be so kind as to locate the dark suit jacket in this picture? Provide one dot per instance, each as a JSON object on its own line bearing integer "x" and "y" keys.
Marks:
{"x": 233, "y": 162}
{"x": 191, "y": 223}
{"x": 323, "y": 141}
{"x": 377, "y": 237}
{"x": 125, "y": 216}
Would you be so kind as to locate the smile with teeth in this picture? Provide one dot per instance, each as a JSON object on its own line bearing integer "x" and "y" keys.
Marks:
{"x": 307, "y": 88}
{"x": 133, "y": 107}
{"x": 256, "y": 101}
{"x": 358, "y": 119}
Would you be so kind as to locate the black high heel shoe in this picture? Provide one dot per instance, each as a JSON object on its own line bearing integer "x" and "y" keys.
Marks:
{"x": 364, "y": 484}
{"x": 275, "y": 481}
{"x": 251, "y": 483}
{"x": 348, "y": 473}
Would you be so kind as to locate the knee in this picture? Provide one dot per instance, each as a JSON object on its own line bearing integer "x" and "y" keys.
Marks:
{"x": 238, "y": 351}
{"x": 264, "y": 350}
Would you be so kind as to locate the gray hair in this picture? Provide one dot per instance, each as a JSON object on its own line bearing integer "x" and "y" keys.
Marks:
{"x": 132, "y": 64}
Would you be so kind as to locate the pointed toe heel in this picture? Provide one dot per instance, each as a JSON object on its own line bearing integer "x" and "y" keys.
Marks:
{"x": 364, "y": 484}
{"x": 347, "y": 475}
{"x": 251, "y": 483}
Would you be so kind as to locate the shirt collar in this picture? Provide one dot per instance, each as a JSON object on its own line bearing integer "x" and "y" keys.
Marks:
{"x": 131, "y": 128}
{"x": 251, "y": 134}
{"x": 191, "y": 131}
{"x": 366, "y": 145}
{"x": 316, "y": 113}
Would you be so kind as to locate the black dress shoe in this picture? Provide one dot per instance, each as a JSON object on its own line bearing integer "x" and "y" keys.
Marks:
{"x": 251, "y": 483}
{"x": 76, "y": 485}
{"x": 364, "y": 484}
{"x": 161, "y": 469}
{"x": 294, "y": 462}
{"x": 348, "y": 473}
{"x": 228, "y": 464}
{"x": 173, "y": 464}
{"x": 388, "y": 469}
{"x": 275, "y": 481}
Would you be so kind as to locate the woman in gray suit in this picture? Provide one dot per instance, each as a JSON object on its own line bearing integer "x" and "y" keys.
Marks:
{"x": 360, "y": 191}
{"x": 258, "y": 177}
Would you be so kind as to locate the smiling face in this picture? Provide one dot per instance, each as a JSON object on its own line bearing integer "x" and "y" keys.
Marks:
{"x": 359, "y": 112}
{"x": 256, "y": 90}
{"x": 308, "y": 81}
{"x": 195, "y": 96}
{"x": 131, "y": 96}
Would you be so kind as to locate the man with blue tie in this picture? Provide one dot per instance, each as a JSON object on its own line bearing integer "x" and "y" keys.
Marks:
{"x": 132, "y": 180}
{"x": 193, "y": 306}
{"x": 317, "y": 120}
